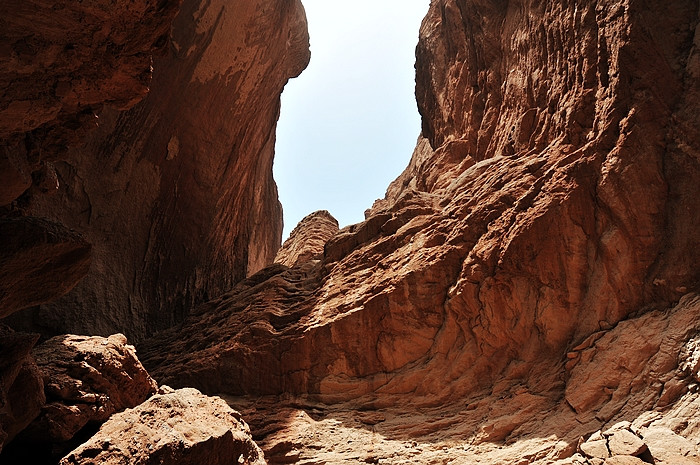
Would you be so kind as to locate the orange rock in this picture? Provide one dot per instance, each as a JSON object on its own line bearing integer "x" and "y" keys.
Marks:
{"x": 170, "y": 428}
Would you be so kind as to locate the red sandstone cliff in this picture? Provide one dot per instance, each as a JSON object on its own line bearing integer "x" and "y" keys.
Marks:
{"x": 527, "y": 292}
{"x": 176, "y": 195}
{"x": 552, "y": 199}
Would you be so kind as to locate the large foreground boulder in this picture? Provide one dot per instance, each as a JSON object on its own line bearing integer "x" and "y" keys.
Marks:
{"x": 177, "y": 427}
{"x": 86, "y": 380}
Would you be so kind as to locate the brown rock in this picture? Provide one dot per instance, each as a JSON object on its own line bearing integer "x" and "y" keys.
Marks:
{"x": 174, "y": 428}
{"x": 624, "y": 460}
{"x": 39, "y": 262}
{"x": 59, "y": 64}
{"x": 307, "y": 239}
{"x": 21, "y": 385}
{"x": 623, "y": 442}
{"x": 595, "y": 449}
{"x": 541, "y": 209}
{"x": 172, "y": 227}
{"x": 668, "y": 447}
{"x": 87, "y": 379}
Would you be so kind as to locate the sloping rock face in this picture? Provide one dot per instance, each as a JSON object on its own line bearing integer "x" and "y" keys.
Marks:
{"x": 178, "y": 427}
{"x": 177, "y": 195}
{"x": 307, "y": 239}
{"x": 551, "y": 199}
{"x": 39, "y": 262}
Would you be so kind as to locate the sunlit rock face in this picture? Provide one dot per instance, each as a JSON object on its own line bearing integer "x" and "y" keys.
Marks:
{"x": 176, "y": 195}
{"x": 307, "y": 239}
{"x": 552, "y": 196}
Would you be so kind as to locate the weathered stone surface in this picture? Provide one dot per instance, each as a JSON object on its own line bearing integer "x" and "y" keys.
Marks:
{"x": 177, "y": 195}
{"x": 59, "y": 64}
{"x": 86, "y": 379}
{"x": 549, "y": 202}
{"x": 623, "y": 442}
{"x": 308, "y": 238}
{"x": 595, "y": 449}
{"x": 665, "y": 446}
{"x": 173, "y": 428}
{"x": 39, "y": 261}
{"x": 21, "y": 385}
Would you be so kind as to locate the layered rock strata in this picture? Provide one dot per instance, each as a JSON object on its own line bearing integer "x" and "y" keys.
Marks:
{"x": 307, "y": 239}
{"x": 558, "y": 209}
{"x": 177, "y": 195}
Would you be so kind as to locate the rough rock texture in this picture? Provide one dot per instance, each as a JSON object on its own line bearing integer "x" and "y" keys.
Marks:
{"x": 307, "y": 239}
{"x": 39, "y": 262}
{"x": 21, "y": 384}
{"x": 86, "y": 379}
{"x": 59, "y": 64}
{"x": 172, "y": 428}
{"x": 485, "y": 260}
{"x": 177, "y": 195}
{"x": 549, "y": 209}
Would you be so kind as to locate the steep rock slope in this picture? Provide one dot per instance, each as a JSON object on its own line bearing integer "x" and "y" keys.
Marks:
{"x": 553, "y": 196}
{"x": 492, "y": 254}
{"x": 176, "y": 195}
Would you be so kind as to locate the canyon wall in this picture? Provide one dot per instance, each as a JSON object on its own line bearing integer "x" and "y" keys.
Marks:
{"x": 176, "y": 195}
{"x": 553, "y": 195}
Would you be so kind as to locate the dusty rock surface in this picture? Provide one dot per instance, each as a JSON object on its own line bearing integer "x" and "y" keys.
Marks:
{"x": 307, "y": 239}
{"x": 21, "y": 384}
{"x": 86, "y": 379}
{"x": 39, "y": 261}
{"x": 172, "y": 428}
{"x": 59, "y": 64}
{"x": 189, "y": 207}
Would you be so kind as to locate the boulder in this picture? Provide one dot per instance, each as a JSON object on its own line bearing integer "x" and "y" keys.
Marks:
{"x": 171, "y": 428}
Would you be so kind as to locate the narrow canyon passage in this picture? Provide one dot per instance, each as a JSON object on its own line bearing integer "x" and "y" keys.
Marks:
{"x": 527, "y": 291}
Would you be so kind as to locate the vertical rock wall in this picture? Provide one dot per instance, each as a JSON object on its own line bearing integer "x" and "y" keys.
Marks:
{"x": 553, "y": 195}
{"x": 176, "y": 195}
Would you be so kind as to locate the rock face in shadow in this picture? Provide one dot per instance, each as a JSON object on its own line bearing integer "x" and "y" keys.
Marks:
{"x": 59, "y": 64}
{"x": 176, "y": 195}
{"x": 173, "y": 427}
{"x": 307, "y": 239}
{"x": 21, "y": 384}
{"x": 39, "y": 261}
{"x": 552, "y": 196}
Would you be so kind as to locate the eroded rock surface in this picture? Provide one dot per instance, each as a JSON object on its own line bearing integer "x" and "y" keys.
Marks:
{"x": 176, "y": 195}
{"x": 172, "y": 428}
{"x": 39, "y": 261}
{"x": 59, "y": 64}
{"x": 548, "y": 209}
{"x": 87, "y": 379}
{"x": 307, "y": 239}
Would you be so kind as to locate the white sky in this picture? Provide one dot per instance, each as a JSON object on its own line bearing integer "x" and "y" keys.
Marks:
{"x": 349, "y": 123}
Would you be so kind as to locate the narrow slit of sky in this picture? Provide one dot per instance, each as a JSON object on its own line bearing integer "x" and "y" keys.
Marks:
{"x": 349, "y": 123}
